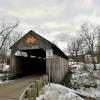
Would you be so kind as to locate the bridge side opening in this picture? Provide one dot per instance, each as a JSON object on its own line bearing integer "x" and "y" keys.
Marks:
{"x": 33, "y": 62}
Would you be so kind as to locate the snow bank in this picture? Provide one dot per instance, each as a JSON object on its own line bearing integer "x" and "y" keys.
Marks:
{"x": 57, "y": 92}
{"x": 4, "y": 67}
{"x": 86, "y": 83}
{"x": 72, "y": 62}
{"x": 4, "y": 81}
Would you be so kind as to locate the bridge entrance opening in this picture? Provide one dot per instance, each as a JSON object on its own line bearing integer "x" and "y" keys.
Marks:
{"x": 31, "y": 62}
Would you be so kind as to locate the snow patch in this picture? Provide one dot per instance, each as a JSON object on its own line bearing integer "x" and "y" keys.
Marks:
{"x": 57, "y": 92}
{"x": 85, "y": 80}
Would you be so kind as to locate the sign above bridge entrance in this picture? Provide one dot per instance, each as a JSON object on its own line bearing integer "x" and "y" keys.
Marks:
{"x": 49, "y": 53}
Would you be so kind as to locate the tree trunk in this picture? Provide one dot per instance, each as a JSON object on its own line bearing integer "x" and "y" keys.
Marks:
{"x": 76, "y": 59}
{"x": 93, "y": 61}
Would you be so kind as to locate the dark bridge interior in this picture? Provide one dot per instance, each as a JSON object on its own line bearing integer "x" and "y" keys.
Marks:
{"x": 34, "y": 63}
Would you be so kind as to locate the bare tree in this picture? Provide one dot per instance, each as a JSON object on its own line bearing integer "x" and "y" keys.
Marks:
{"x": 16, "y": 37}
{"x": 88, "y": 34}
{"x": 75, "y": 48}
{"x": 69, "y": 50}
{"x": 4, "y": 50}
{"x": 5, "y": 32}
{"x": 5, "y": 40}
{"x": 98, "y": 45}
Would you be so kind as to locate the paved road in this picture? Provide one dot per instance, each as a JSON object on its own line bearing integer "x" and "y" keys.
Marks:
{"x": 13, "y": 89}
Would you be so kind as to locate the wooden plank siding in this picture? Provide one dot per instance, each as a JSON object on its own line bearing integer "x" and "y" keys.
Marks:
{"x": 58, "y": 68}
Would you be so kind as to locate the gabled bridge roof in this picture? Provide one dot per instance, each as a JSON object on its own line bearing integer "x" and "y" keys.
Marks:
{"x": 32, "y": 40}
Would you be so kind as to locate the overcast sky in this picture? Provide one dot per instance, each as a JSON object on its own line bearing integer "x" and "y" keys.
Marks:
{"x": 56, "y": 20}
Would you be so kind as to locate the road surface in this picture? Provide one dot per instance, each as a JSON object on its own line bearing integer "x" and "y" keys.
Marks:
{"x": 12, "y": 90}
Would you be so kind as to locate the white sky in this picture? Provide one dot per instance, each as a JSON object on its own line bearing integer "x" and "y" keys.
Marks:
{"x": 56, "y": 20}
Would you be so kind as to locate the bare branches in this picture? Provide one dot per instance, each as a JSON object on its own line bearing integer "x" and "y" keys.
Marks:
{"x": 7, "y": 28}
{"x": 75, "y": 48}
{"x": 5, "y": 39}
{"x": 5, "y": 32}
{"x": 16, "y": 37}
{"x": 89, "y": 34}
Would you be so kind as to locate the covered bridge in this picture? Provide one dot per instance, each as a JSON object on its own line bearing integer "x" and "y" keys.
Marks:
{"x": 32, "y": 58}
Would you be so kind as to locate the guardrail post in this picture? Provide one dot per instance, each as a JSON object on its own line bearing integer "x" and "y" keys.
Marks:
{"x": 28, "y": 93}
{"x": 33, "y": 90}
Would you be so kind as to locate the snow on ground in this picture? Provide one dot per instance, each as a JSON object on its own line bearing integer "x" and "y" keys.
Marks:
{"x": 72, "y": 62}
{"x": 1, "y": 79}
{"x": 4, "y": 81}
{"x": 81, "y": 78}
{"x": 57, "y": 92}
{"x": 3, "y": 76}
{"x": 86, "y": 82}
{"x": 4, "y": 67}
